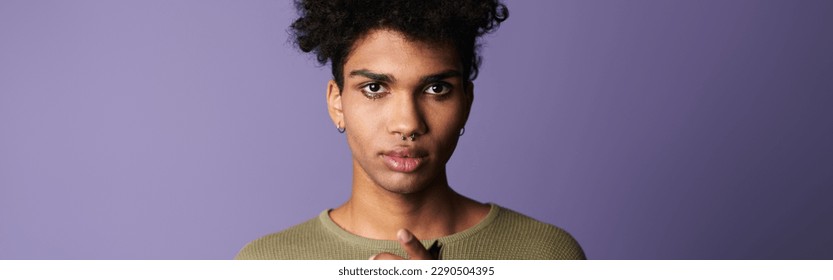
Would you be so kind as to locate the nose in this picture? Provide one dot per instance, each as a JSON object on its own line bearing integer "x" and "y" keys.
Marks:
{"x": 405, "y": 117}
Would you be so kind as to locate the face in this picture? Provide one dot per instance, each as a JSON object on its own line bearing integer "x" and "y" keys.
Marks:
{"x": 396, "y": 88}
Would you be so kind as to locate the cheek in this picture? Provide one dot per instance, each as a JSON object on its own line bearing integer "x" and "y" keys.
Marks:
{"x": 446, "y": 123}
{"x": 446, "y": 120}
{"x": 362, "y": 122}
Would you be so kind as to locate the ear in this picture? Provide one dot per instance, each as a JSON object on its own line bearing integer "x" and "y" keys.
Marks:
{"x": 469, "y": 100}
{"x": 334, "y": 104}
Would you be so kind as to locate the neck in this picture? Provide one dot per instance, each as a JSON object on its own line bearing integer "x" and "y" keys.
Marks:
{"x": 432, "y": 212}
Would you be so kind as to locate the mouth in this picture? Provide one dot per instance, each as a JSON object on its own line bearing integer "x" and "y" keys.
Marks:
{"x": 403, "y": 160}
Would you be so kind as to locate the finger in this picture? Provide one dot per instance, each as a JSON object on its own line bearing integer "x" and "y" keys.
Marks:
{"x": 412, "y": 245}
{"x": 385, "y": 256}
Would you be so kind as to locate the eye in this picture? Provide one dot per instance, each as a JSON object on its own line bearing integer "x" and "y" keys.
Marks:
{"x": 438, "y": 89}
{"x": 373, "y": 90}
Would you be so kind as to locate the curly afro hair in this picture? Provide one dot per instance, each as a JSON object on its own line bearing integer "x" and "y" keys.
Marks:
{"x": 330, "y": 27}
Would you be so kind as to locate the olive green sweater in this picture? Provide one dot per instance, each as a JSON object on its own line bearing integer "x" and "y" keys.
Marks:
{"x": 502, "y": 235}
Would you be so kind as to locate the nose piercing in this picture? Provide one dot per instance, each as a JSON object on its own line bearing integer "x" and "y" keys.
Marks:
{"x": 413, "y": 137}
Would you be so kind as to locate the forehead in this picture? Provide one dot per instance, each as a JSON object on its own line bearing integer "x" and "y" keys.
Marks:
{"x": 390, "y": 51}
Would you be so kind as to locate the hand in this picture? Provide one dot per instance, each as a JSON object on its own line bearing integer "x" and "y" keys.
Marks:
{"x": 411, "y": 245}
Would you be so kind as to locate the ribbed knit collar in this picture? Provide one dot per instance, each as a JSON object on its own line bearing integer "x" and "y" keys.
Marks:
{"x": 389, "y": 245}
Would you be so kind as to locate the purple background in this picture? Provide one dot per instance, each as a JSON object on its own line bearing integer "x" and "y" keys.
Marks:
{"x": 648, "y": 129}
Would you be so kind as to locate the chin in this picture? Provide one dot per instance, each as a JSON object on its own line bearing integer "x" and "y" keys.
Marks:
{"x": 402, "y": 187}
{"x": 399, "y": 185}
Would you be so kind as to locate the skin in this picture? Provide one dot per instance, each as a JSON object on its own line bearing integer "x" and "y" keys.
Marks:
{"x": 394, "y": 87}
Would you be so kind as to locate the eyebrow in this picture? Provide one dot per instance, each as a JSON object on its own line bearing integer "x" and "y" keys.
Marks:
{"x": 433, "y": 78}
{"x": 440, "y": 76}
{"x": 373, "y": 76}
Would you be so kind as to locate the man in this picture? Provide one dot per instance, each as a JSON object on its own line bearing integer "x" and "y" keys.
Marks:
{"x": 401, "y": 93}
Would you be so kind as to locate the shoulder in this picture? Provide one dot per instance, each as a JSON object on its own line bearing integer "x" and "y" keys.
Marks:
{"x": 287, "y": 244}
{"x": 538, "y": 240}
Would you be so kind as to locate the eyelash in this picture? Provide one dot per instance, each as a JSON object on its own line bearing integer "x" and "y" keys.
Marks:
{"x": 376, "y": 95}
{"x": 372, "y": 95}
{"x": 447, "y": 89}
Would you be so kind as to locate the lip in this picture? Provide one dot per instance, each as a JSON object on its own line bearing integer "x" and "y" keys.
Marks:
{"x": 403, "y": 160}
